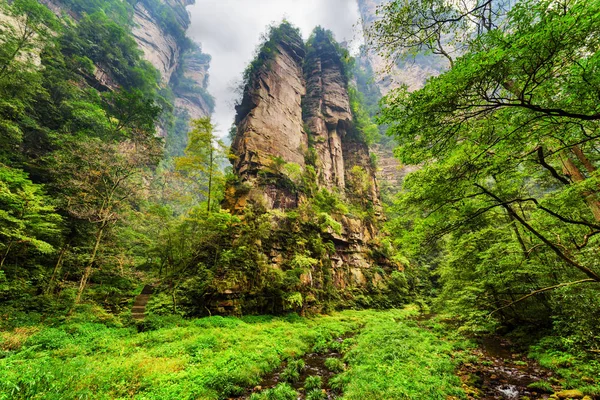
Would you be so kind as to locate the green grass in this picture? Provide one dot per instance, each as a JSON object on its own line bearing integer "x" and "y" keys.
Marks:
{"x": 283, "y": 391}
{"x": 396, "y": 359}
{"x": 216, "y": 357}
{"x": 575, "y": 369}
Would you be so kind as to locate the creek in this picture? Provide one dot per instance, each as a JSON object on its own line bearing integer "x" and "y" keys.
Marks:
{"x": 501, "y": 374}
{"x": 314, "y": 365}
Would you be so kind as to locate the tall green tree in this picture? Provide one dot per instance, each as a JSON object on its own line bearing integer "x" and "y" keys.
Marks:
{"x": 27, "y": 215}
{"x": 507, "y": 138}
{"x": 202, "y": 159}
{"x": 99, "y": 181}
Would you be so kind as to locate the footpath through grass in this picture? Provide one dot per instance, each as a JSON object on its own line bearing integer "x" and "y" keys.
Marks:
{"x": 215, "y": 358}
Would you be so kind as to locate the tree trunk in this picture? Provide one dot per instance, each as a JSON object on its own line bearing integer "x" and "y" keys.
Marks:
{"x": 210, "y": 174}
{"x": 6, "y": 253}
{"x": 88, "y": 269}
{"x": 56, "y": 268}
{"x": 576, "y": 176}
{"x": 584, "y": 160}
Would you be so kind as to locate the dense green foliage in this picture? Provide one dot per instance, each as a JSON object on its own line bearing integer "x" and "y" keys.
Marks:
{"x": 79, "y": 185}
{"x": 504, "y": 211}
{"x": 498, "y": 229}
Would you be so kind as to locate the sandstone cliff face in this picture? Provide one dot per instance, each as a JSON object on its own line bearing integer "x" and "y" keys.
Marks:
{"x": 191, "y": 94}
{"x": 165, "y": 53}
{"x": 175, "y": 64}
{"x": 296, "y": 110}
{"x": 269, "y": 120}
{"x": 160, "y": 49}
{"x": 328, "y": 114}
{"x": 391, "y": 76}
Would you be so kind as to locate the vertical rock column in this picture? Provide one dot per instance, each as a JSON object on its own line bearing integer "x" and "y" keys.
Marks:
{"x": 269, "y": 119}
{"x": 327, "y": 110}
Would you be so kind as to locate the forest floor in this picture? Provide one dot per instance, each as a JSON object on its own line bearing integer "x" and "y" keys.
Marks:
{"x": 358, "y": 355}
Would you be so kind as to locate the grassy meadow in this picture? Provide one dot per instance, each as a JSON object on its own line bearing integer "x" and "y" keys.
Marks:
{"x": 388, "y": 356}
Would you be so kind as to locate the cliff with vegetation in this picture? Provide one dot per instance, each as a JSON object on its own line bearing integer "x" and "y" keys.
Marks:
{"x": 158, "y": 28}
{"x": 301, "y": 156}
{"x": 90, "y": 118}
{"x": 392, "y": 73}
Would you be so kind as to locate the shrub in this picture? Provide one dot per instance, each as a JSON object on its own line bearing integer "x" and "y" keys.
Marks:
{"x": 316, "y": 394}
{"x": 335, "y": 365}
{"x": 312, "y": 383}
{"x": 291, "y": 373}
{"x": 280, "y": 392}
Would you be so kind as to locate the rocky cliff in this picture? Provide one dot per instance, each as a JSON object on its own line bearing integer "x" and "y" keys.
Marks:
{"x": 269, "y": 119}
{"x": 412, "y": 73}
{"x": 182, "y": 64}
{"x": 159, "y": 27}
{"x": 297, "y": 148}
{"x": 160, "y": 48}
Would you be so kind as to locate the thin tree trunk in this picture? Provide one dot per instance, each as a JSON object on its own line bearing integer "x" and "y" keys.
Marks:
{"x": 576, "y": 176}
{"x": 56, "y": 268}
{"x": 174, "y": 300}
{"x": 88, "y": 269}
{"x": 6, "y": 253}
{"x": 210, "y": 174}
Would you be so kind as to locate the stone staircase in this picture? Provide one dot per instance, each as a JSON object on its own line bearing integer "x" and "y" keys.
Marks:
{"x": 138, "y": 311}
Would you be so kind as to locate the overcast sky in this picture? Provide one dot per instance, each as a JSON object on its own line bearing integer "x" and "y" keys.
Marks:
{"x": 230, "y": 30}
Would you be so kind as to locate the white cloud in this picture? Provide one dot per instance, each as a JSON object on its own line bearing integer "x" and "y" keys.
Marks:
{"x": 230, "y": 31}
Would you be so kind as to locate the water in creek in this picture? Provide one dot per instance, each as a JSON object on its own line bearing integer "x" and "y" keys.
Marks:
{"x": 314, "y": 365}
{"x": 501, "y": 374}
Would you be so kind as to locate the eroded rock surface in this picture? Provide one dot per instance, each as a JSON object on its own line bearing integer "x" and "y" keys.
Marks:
{"x": 165, "y": 53}
{"x": 160, "y": 48}
{"x": 327, "y": 112}
{"x": 296, "y": 111}
{"x": 269, "y": 120}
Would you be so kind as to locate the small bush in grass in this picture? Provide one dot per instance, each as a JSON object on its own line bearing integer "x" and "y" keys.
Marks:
{"x": 312, "y": 383}
{"x": 291, "y": 373}
{"x": 317, "y": 394}
{"x": 282, "y": 391}
{"x": 541, "y": 386}
{"x": 335, "y": 365}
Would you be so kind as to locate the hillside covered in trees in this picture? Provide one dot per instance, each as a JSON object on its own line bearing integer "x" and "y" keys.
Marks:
{"x": 142, "y": 257}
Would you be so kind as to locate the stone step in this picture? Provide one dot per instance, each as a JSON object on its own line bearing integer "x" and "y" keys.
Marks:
{"x": 138, "y": 311}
